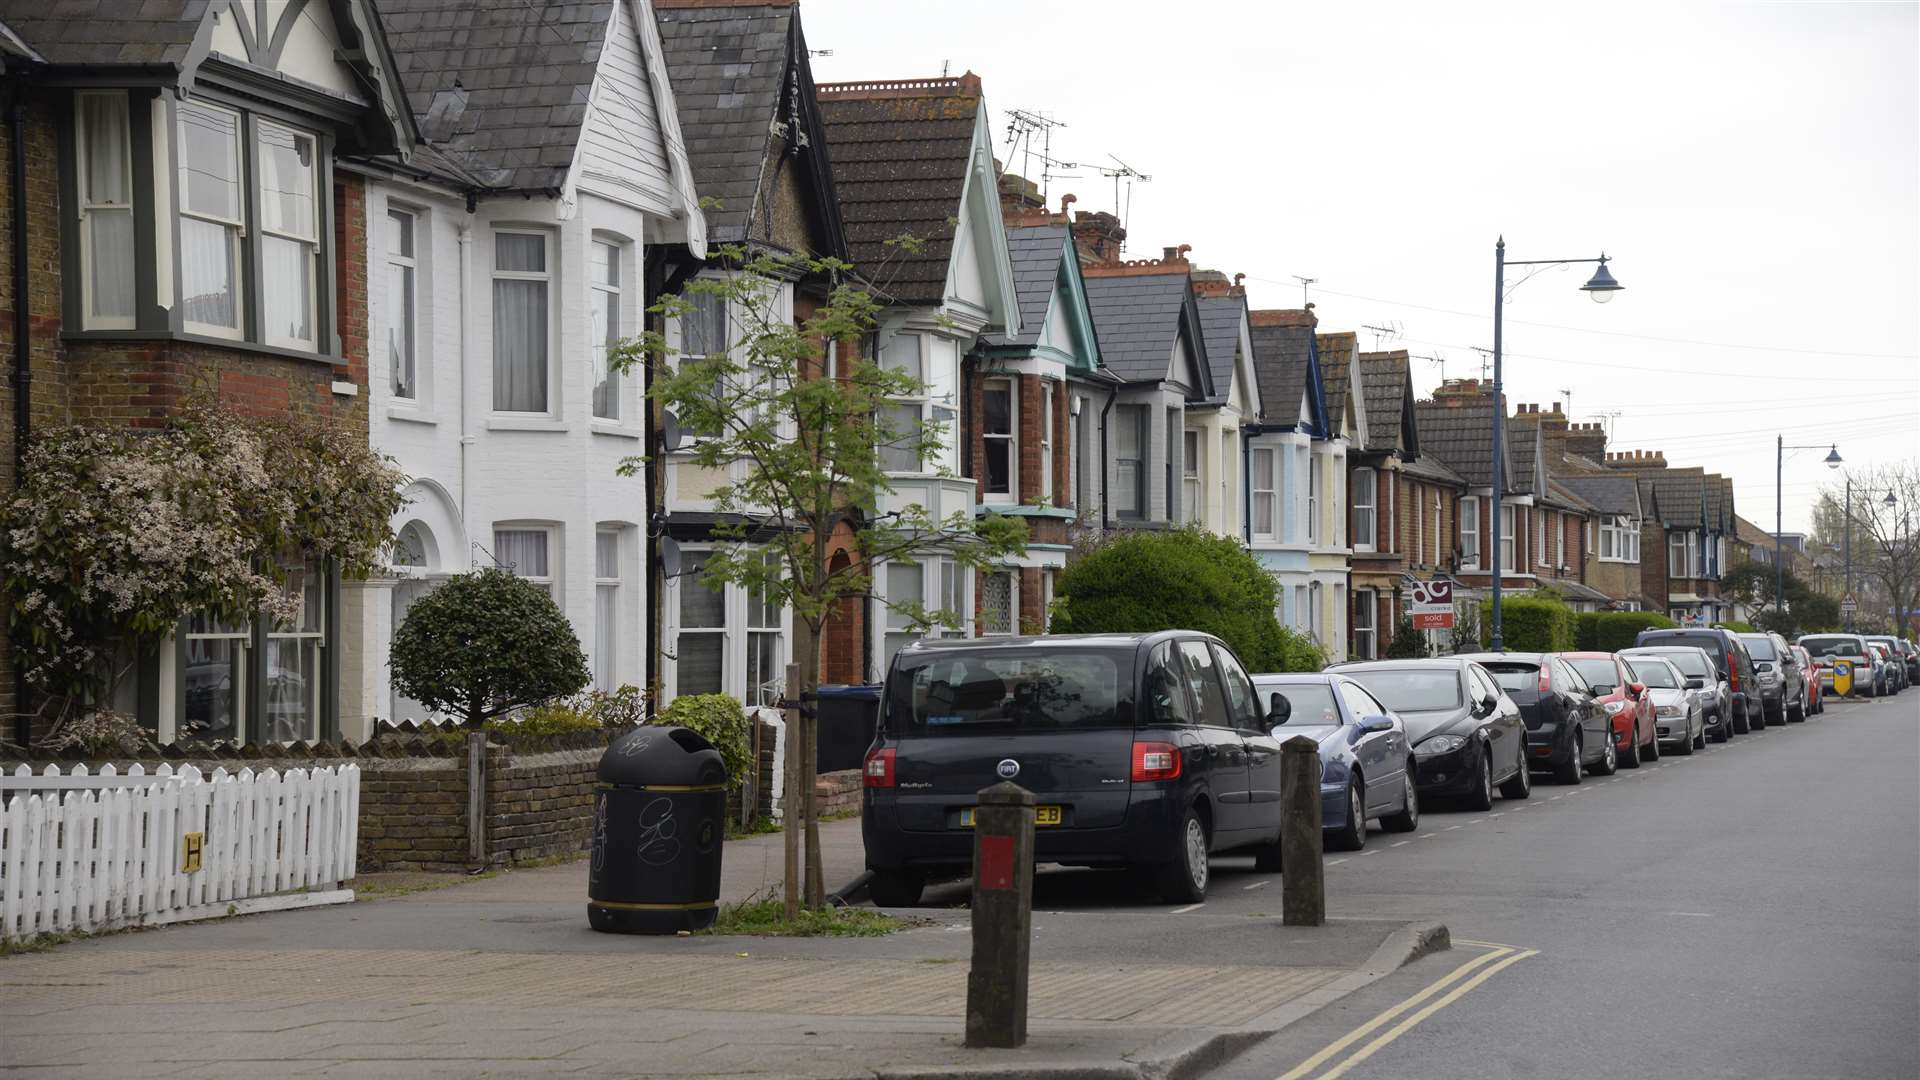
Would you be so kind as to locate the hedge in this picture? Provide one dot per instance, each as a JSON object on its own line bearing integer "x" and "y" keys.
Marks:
{"x": 1611, "y": 631}
{"x": 722, "y": 721}
{"x": 1530, "y": 622}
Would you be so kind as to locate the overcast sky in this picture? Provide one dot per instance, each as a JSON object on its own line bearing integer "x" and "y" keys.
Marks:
{"x": 1753, "y": 171}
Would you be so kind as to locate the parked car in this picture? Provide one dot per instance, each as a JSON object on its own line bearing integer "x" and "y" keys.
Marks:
{"x": 1896, "y": 660}
{"x": 1142, "y": 750}
{"x": 1568, "y": 729}
{"x": 1887, "y": 671}
{"x": 1701, "y": 674}
{"x": 1467, "y": 735}
{"x": 1779, "y": 676}
{"x": 1912, "y": 654}
{"x": 1730, "y": 659}
{"x": 1366, "y": 762}
{"x": 1614, "y": 688}
{"x": 1816, "y": 697}
{"x": 1844, "y": 659}
{"x": 1677, "y": 707}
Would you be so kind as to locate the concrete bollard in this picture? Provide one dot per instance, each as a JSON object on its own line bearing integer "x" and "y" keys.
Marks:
{"x": 1303, "y": 895}
{"x": 1002, "y": 917}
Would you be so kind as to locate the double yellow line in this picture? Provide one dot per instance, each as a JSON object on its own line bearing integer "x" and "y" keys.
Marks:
{"x": 1474, "y": 972}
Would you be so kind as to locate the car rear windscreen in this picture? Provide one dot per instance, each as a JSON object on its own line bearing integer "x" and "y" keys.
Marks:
{"x": 1832, "y": 646}
{"x": 1311, "y": 702}
{"x": 1514, "y": 675}
{"x": 1412, "y": 689}
{"x": 1714, "y": 644}
{"x": 1007, "y": 691}
{"x": 1689, "y": 663}
{"x": 1600, "y": 674}
{"x": 1650, "y": 672}
{"x": 1760, "y": 645}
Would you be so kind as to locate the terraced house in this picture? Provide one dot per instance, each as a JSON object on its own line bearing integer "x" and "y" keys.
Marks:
{"x": 1283, "y": 481}
{"x": 535, "y": 222}
{"x": 1213, "y": 455}
{"x": 1696, "y": 514}
{"x": 185, "y": 219}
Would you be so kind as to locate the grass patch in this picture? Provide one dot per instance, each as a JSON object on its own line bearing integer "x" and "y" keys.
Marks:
{"x": 40, "y": 942}
{"x": 760, "y": 826}
{"x": 767, "y": 917}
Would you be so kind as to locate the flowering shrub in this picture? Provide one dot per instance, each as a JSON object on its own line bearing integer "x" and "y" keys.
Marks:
{"x": 115, "y": 535}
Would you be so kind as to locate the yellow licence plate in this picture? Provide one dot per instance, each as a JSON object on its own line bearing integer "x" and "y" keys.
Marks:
{"x": 1042, "y": 815}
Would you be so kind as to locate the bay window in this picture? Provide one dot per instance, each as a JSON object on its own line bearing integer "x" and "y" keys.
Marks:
{"x": 704, "y": 333}
{"x": 606, "y": 609}
{"x": 1190, "y": 474}
{"x": 211, "y": 219}
{"x": 214, "y": 669}
{"x": 1507, "y": 515}
{"x": 104, "y": 150}
{"x": 294, "y": 674}
{"x": 905, "y": 590}
{"x": 933, "y": 363}
{"x": 727, "y": 640}
{"x": 700, "y": 647}
{"x": 1129, "y": 461}
{"x": 520, "y": 306}
{"x": 1364, "y": 491}
{"x": 765, "y": 675}
{"x": 998, "y": 408}
{"x": 1470, "y": 533}
{"x": 604, "y": 313}
{"x": 402, "y": 313}
{"x": 1046, "y": 442}
{"x": 289, "y": 234}
{"x": 1266, "y": 498}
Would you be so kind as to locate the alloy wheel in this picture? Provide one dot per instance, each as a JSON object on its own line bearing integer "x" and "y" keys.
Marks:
{"x": 1197, "y": 867}
{"x": 1611, "y": 756}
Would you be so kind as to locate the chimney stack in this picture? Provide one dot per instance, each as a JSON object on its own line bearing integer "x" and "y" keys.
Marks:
{"x": 1098, "y": 235}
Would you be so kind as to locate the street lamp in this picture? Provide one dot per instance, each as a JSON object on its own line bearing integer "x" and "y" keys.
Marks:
{"x": 1601, "y": 286}
{"x": 1780, "y": 449}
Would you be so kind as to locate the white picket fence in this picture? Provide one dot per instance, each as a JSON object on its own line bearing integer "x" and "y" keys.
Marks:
{"x": 103, "y": 850}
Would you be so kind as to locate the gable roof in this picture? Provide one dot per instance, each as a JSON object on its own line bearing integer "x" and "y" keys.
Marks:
{"x": 1523, "y": 454}
{"x": 1286, "y": 365}
{"x": 1459, "y": 431}
{"x": 743, "y": 86}
{"x": 1037, "y": 252}
{"x": 1681, "y": 492}
{"x": 1386, "y": 385}
{"x": 901, "y": 152}
{"x": 1220, "y": 320}
{"x": 1337, "y": 349}
{"x": 1614, "y": 494}
{"x": 102, "y": 33}
{"x": 1140, "y": 315}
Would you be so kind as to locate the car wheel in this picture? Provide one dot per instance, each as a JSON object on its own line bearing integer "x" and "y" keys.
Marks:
{"x": 1609, "y": 761}
{"x": 1700, "y": 740}
{"x": 1651, "y": 751}
{"x": 1183, "y": 879}
{"x": 1481, "y": 797}
{"x": 1568, "y": 771}
{"x": 896, "y": 888}
{"x": 1721, "y": 732}
{"x": 1686, "y": 745}
{"x": 1797, "y": 713}
{"x": 1520, "y": 784}
{"x": 1630, "y": 759}
{"x": 1353, "y": 835}
{"x": 1740, "y": 722}
{"x": 1408, "y": 819}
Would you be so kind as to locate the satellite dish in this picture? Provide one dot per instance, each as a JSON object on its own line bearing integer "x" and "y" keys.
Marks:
{"x": 669, "y": 557}
{"x": 669, "y": 430}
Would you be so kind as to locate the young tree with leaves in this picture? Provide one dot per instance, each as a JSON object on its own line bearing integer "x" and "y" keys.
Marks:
{"x": 812, "y": 448}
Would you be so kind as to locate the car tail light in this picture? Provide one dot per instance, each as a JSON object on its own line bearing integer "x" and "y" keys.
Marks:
{"x": 879, "y": 768}
{"x": 1546, "y": 680}
{"x": 1155, "y": 761}
{"x": 1733, "y": 675}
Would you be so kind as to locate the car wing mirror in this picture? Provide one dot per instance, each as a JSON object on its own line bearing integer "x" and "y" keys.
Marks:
{"x": 1279, "y": 709}
{"x": 1639, "y": 689}
{"x": 1486, "y": 705}
{"x": 1373, "y": 725}
{"x": 1695, "y": 682}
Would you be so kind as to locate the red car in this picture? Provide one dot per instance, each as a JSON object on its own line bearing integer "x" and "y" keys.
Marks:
{"x": 1635, "y": 735}
{"x": 1816, "y": 696}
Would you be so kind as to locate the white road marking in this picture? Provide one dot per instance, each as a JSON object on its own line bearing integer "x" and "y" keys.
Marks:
{"x": 1189, "y": 907}
{"x": 1257, "y": 884}
{"x": 1375, "y": 851}
{"x": 1493, "y": 815}
{"x": 1476, "y": 821}
{"x": 1556, "y": 798}
{"x": 1428, "y": 835}
{"x": 1450, "y": 828}
{"x": 1336, "y": 862}
{"x": 1403, "y": 843}
{"x": 1522, "y": 806}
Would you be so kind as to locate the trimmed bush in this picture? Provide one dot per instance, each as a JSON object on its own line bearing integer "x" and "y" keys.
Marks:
{"x": 1185, "y": 579}
{"x": 1611, "y": 631}
{"x": 720, "y": 720}
{"x": 486, "y": 644}
{"x": 1530, "y": 622}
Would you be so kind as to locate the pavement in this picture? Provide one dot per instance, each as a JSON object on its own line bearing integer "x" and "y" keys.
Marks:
{"x": 500, "y": 976}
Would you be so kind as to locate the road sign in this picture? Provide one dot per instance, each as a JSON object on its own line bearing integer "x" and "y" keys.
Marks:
{"x": 1432, "y": 605}
{"x": 1847, "y": 605}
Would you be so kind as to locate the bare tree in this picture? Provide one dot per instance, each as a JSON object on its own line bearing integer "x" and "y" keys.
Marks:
{"x": 1886, "y": 538}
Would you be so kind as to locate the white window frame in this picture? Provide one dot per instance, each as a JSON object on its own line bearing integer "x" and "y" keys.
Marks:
{"x": 690, "y": 578}
{"x": 310, "y": 242}
{"x": 1439, "y": 519}
{"x": 1046, "y": 441}
{"x": 1469, "y": 514}
{"x": 1007, "y": 441}
{"x": 1315, "y": 598}
{"x": 1300, "y": 607}
{"x": 403, "y": 265}
{"x": 236, "y": 226}
{"x": 607, "y": 593}
{"x": 1266, "y": 525}
{"x": 1313, "y": 497}
{"x": 1367, "y": 511}
{"x": 1076, "y": 445}
{"x": 600, "y": 346}
{"x": 1191, "y": 481}
{"x": 89, "y": 208}
{"x": 546, "y": 279}
{"x": 764, "y": 622}
{"x": 1677, "y": 555}
{"x": 1509, "y": 543}
{"x": 939, "y": 378}
{"x": 1141, "y": 488}
{"x": 1419, "y": 522}
{"x": 1366, "y": 640}
{"x": 549, "y": 580}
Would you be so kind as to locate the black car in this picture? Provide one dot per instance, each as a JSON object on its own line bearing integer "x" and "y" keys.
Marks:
{"x": 1141, "y": 750}
{"x": 1467, "y": 736}
{"x": 1733, "y": 662}
{"x": 1567, "y": 730}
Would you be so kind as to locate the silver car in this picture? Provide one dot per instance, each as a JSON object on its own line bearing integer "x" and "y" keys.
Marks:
{"x": 1679, "y": 717}
{"x": 1697, "y": 673}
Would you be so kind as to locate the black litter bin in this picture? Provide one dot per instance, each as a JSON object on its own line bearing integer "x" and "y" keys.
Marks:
{"x": 849, "y": 716}
{"x": 659, "y": 817}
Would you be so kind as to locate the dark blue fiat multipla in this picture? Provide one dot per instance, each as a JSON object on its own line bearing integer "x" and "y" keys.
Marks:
{"x": 1142, "y": 750}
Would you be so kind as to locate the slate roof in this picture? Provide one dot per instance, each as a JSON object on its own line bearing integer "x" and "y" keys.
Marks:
{"x": 1608, "y": 494}
{"x": 1428, "y": 467}
{"x": 1386, "y": 384}
{"x": 1220, "y": 319}
{"x": 1561, "y": 495}
{"x": 1137, "y": 319}
{"x": 106, "y": 32}
{"x": 1036, "y": 251}
{"x": 1680, "y": 492}
{"x": 727, "y": 65}
{"x": 900, "y": 159}
{"x": 1337, "y": 350}
{"x": 1282, "y": 359}
{"x": 1460, "y": 434}
{"x": 1523, "y": 443}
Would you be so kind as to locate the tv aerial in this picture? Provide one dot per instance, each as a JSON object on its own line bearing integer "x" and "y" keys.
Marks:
{"x": 1384, "y": 335}
{"x": 1022, "y": 126}
{"x": 1120, "y": 171}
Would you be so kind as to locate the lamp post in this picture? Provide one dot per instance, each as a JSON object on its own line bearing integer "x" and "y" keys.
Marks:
{"x": 1601, "y": 287}
{"x": 1780, "y": 449}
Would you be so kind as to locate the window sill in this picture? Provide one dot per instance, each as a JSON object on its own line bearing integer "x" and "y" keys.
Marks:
{"x": 1018, "y": 510}
{"x": 525, "y": 423}
{"x": 616, "y": 429}
{"x": 236, "y": 344}
{"x": 408, "y": 415}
